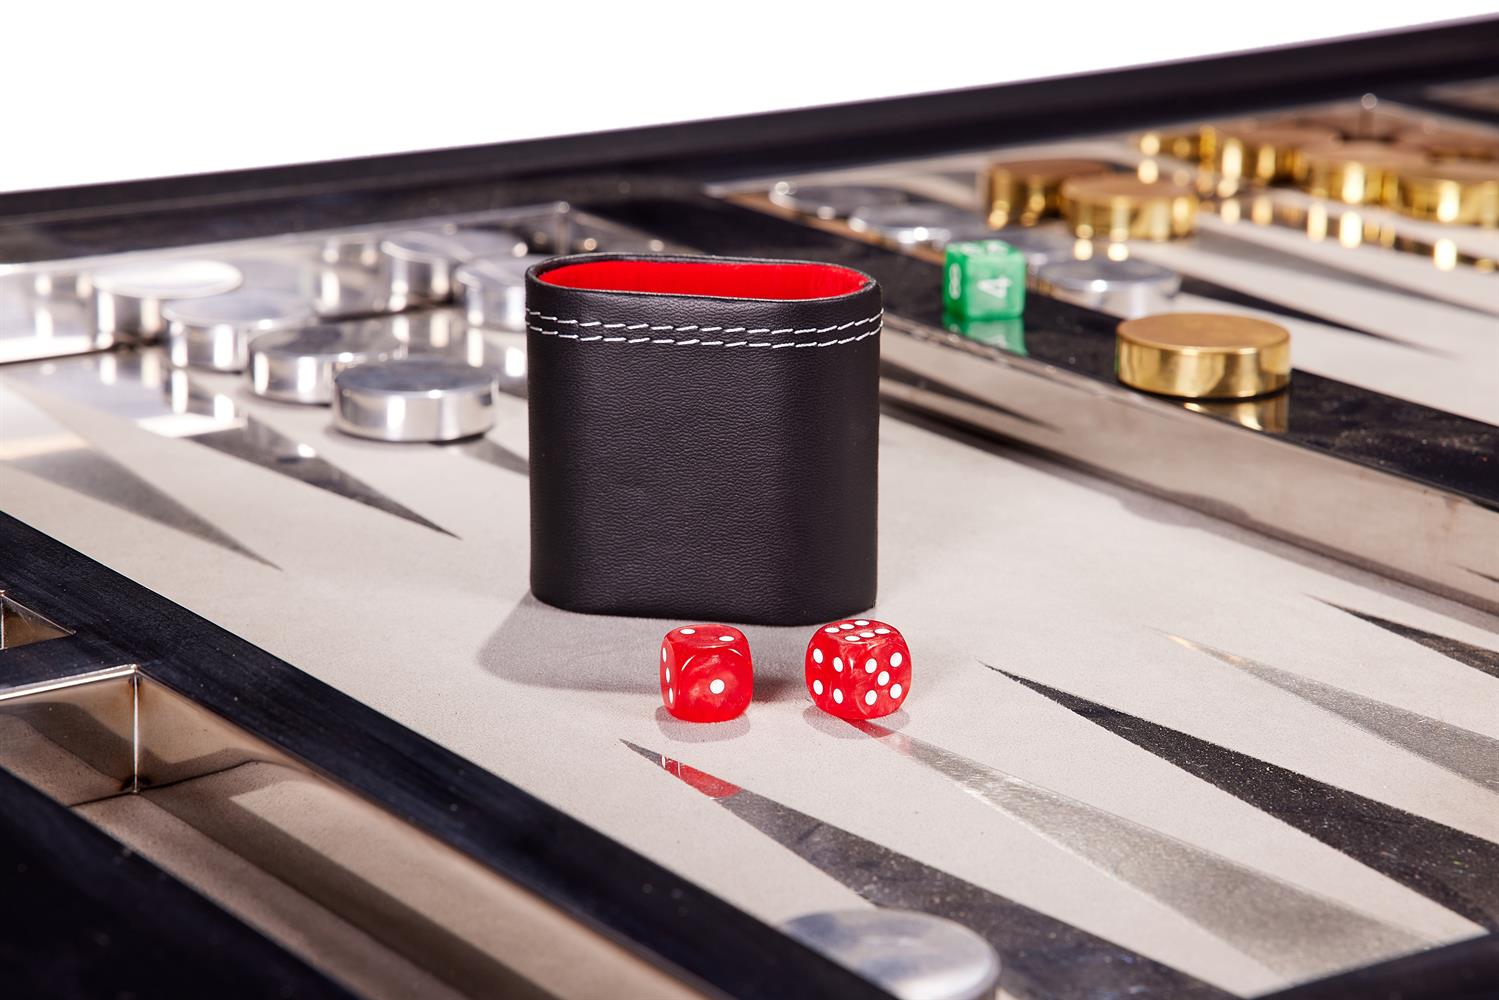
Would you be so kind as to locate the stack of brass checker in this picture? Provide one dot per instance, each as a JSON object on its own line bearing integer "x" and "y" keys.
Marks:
{"x": 1023, "y": 192}
{"x": 1357, "y": 157}
{"x": 1118, "y": 207}
{"x": 1459, "y": 183}
{"x": 1265, "y": 154}
{"x": 1098, "y": 199}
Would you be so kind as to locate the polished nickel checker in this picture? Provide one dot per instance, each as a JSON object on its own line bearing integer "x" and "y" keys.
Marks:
{"x": 298, "y": 366}
{"x": 415, "y": 399}
{"x": 914, "y": 956}
{"x": 472, "y": 244}
{"x": 345, "y": 290}
{"x": 834, "y": 201}
{"x": 1121, "y": 287}
{"x": 214, "y": 332}
{"x": 128, "y": 298}
{"x": 918, "y": 223}
{"x": 348, "y": 277}
{"x": 419, "y": 264}
{"x": 493, "y": 291}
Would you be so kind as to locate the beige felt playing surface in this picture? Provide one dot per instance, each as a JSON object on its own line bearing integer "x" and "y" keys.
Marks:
{"x": 987, "y": 557}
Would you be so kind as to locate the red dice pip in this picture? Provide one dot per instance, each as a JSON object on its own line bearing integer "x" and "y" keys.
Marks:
{"x": 706, "y": 673}
{"x": 858, "y": 669}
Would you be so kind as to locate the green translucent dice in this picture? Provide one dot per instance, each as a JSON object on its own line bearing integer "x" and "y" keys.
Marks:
{"x": 984, "y": 279}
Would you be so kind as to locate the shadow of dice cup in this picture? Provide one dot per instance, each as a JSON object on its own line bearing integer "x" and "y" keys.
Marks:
{"x": 542, "y": 646}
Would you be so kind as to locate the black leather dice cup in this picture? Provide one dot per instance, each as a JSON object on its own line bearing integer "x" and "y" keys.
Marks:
{"x": 704, "y": 437}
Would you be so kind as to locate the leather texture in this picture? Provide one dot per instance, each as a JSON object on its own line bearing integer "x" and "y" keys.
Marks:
{"x": 703, "y": 457}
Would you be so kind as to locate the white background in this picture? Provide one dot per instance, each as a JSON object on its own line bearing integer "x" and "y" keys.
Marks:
{"x": 126, "y": 91}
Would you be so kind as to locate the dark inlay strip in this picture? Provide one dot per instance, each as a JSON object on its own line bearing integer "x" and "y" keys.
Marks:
{"x": 260, "y": 445}
{"x": 1477, "y": 657}
{"x": 1291, "y": 930}
{"x": 1467, "y": 970}
{"x": 1487, "y": 576}
{"x": 1206, "y": 289}
{"x": 1456, "y": 869}
{"x": 95, "y": 475}
{"x": 1232, "y": 245}
{"x": 1041, "y": 957}
{"x": 1465, "y": 753}
{"x": 488, "y": 450}
{"x": 158, "y": 402}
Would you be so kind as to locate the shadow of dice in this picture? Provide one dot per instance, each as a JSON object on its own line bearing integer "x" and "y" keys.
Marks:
{"x": 858, "y": 669}
{"x": 706, "y": 673}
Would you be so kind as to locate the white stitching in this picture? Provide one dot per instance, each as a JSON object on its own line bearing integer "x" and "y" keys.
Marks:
{"x": 704, "y": 343}
{"x": 705, "y": 329}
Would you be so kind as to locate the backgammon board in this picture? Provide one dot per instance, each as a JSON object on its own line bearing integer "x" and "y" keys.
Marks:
{"x": 1206, "y": 695}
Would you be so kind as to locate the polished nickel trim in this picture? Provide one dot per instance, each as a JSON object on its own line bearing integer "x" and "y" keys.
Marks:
{"x": 64, "y": 683}
{"x": 1382, "y": 521}
{"x": 183, "y": 786}
{"x": 21, "y": 626}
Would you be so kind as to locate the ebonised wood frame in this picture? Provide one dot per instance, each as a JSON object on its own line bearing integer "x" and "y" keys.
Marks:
{"x": 826, "y": 136}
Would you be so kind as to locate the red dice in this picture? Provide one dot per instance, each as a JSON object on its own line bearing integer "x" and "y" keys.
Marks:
{"x": 706, "y": 673}
{"x": 858, "y": 669}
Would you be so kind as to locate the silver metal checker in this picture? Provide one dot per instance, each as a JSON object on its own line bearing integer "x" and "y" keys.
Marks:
{"x": 493, "y": 291}
{"x": 919, "y": 223}
{"x": 213, "y": 333}
{"x": 415, "y": 399}
{"x": 476, "y": 243}
{"x": 298, "y": 366}
{"x": 834, "y": 201}
{"x": 418, "y": 265}
{"x": 1126, "y": 288}
{"x": 914, "y": 956}
{"x": 128, "y": 298}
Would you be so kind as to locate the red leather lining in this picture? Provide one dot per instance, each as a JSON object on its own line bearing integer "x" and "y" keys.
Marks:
{"x": 726, "y": 279}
